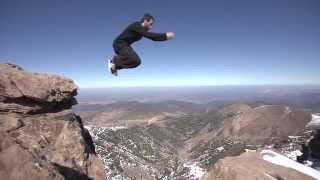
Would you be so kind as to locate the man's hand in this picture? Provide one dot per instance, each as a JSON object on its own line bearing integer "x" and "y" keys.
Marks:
{"x": 170, "y": 35}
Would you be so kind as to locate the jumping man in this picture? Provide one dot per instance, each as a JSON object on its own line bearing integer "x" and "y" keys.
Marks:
{"x": 126, "y": 57}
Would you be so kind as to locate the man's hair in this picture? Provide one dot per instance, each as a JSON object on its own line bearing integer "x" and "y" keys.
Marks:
{"x": 147, "y": 17}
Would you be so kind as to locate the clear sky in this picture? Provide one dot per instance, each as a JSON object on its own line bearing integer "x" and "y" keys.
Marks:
{"x": 218, "y": 42}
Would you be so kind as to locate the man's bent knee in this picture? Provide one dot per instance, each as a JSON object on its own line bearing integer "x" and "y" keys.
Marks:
{"x": 137, "y": 62}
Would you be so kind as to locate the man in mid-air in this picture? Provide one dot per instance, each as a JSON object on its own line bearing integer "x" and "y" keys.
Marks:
{"x": 126, "y": 57}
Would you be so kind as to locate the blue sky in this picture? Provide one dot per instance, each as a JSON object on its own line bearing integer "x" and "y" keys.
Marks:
{"x": 218, "y": 42}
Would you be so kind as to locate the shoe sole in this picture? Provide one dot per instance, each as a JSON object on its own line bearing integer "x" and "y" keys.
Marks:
{"x": 109, "y": 65}
{"x": 109, "y": 68}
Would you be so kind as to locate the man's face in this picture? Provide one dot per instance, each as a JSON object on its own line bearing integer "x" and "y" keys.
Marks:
{"x": 148, "y": 24}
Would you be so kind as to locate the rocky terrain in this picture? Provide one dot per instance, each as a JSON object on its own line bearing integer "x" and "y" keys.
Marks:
{"x": 186, "y": 145}
{"x": 40, "y": 136}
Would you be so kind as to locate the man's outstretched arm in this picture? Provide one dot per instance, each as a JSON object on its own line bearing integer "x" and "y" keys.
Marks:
{"x": 151, "y": 35}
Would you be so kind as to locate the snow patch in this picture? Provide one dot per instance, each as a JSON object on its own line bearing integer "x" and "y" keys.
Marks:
{"x": 288, "y": 110}
{"x": 278, "y": 159}
{"x": 315, "y": 121}
{"x": 113, "y": 128}
{"x": 250, "y": 150}
{"x": 294, "y": 154}
{"x": 220, "y": 149}
{"x": 195, "y": 171}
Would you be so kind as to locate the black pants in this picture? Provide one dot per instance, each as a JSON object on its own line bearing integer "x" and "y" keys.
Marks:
{"x": 126, "y": 57}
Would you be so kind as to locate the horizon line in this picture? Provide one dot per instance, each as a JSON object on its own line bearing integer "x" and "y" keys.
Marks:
{"x": 171, "y": 86}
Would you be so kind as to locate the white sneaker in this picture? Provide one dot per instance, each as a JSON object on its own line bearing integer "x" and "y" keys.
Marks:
{"x": 109, "y": 64}
{"x": 112, "y": 68}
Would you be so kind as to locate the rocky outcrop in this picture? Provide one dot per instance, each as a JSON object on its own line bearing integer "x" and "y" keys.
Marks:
{"x": 28, "y": 93}
{"x": 251, "y": 166}
{"x": 40, "y": 136}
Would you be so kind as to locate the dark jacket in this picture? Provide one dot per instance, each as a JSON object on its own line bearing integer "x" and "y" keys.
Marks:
{"x": 135, "y": 32}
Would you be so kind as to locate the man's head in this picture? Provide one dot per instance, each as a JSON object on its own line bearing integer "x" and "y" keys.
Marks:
{"x": 147, "y": 21}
